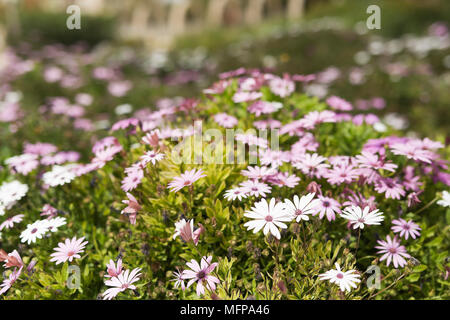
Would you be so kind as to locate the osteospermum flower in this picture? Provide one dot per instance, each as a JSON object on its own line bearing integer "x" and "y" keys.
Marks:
{"x": 445, "y": 201}
{"x": 9, "y": 223}
{"x": 121, "y": 283}
{"x": 10, "y": 192}
{"x": 200, "y": 274}
{"x": 151, "y": 156}
{"x": 113, "y": 269}
{"x": 391, "y": 188}
{"x": 392, "y": 251}
{"x": 68, "y": 250}
{"x": 185, "y": 229}
{"x": 329, "y": 207}
{"x": 360, "y": 217}
{"x": 235, "y": 193}
{"x": 24, "y": 163}
{"x": 132, "y": 208}
{"x": 255, "y": 188}
{"x": 300, "y": 208}
{"x": 405, "y": 228}
{"x": 178, "y": 279}
{"x": 344, "y": 280}
{"x": 283, "y": 179}
{"x": 269, "y": 216}
{"x": 59, "y": 175}
{"x": 134, "y": 176}
{"x": 12, "y": 259}
{"x": 7, "y": 283}
{"x": 225, "y": 120}
{"x": 186, "y": 179}
{"x": 54, "y": 223}
{"x": 258, "y": 173}
{"x": 34, "y": 231}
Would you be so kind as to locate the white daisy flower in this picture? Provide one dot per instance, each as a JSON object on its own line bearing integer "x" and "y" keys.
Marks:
{"x": 59, "y": 175}
{"x": 235, "y": 193}
{"x": 151, "y": 156}
{"x": 55, "y": 223}
{"x": 268, "y": 216}
{"x": 302, "y": 207}
{"x": 359, "y": 217}
{"x": 445, "y": 202}
{"x": 10, "y": 192}
{"x": 345, "y": 280}
{"x": 34, "y": 231}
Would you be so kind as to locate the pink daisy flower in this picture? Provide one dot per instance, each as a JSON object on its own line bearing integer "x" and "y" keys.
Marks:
{"x": 9, "y": 223}
{"x": 373, "y": 161}
{"x": 314, "y": 118}
{"x": 390, "y": 188}
{"x": 339, "y": 104}
{"x": 178, "y": 279}
{"x": 264, "y": 107}
{"x": 243, "y": 96}
{"x": 392, "y": 251}
{"x": 68, "y": 250}
{"x": 225, "y": 120}
{"x": 113, "y": 269}
{"x": 255, "y": 188}
{"x": 135, "y": 174}
{"x": 329, "y": 207}
{"x": 251, "y": 140}
{"x": 405, "y": 228}
{"x": 40, "y": 148}
{"x": 267, "y": 124}
{"x": 121, "y": 283}
{"x": 311, "y": 165}
{"x": 186, "y": 179}
{"x": 7, "y": 283}
{"x": 125, "y": 123}
{"x": 281, "y": 87}
{"x": 200, "y": 274}
{"x": 284, "y": 179}
{"x": 132, "y": 208}
{"x": 23, "y": 164}
{"x": 341, "y": 174}
{"x": 412, "y": 151}
{"x": 274, "y": 158}
{"x": 151, "y": 156}
{"x": 185, "y": 229}
{"x": 258, "y": 173}
{"x": 235, "y": 193}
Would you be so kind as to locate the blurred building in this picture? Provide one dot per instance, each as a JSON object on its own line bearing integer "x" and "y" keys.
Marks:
{"x": 160, "y": 21}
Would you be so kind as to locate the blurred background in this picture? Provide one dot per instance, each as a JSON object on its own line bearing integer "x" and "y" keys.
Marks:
{"x": 171, "y": 48}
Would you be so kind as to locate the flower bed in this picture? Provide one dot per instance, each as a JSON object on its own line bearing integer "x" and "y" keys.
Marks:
{"x": 253, "y": 190}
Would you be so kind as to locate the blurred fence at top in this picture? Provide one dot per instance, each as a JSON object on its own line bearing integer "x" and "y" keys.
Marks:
{"x": 158, "y": 22}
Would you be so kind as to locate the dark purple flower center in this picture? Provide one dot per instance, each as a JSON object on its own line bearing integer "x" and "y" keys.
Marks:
{"x": 269, "y": 218}
{"x": 187, "y": 182}
{"x": 201, "y": 275}
{"x": 34, "y": 230}
{"x": 340, "y": 276}
{"x": 298, "y": 212}
{"x": 326, "y": 203}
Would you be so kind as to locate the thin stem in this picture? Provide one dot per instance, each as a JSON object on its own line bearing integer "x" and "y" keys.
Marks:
{"x": 357, "y": 243}
{"x": 388, "y": 287}
{"x": 427, "y": 206}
